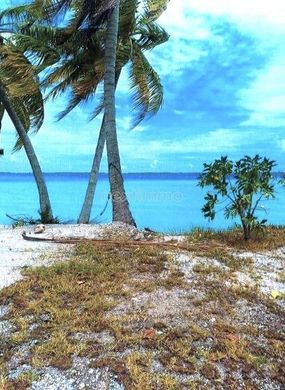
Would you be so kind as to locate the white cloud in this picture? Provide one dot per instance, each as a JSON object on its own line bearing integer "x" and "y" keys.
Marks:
{"x": 189, "y": 21}
{"x": 265, "y": 98}
{"x": 186, "y": 29}
{"x": 253, "y": 14}
{"x": 179, "y": 112}
{"x": 217, "y": 141}
{"x": 213, "y": 141}
{"x": 176, "y": 20}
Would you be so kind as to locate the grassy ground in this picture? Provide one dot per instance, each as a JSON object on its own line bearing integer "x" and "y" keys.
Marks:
{"x": 268, "y": 238}
{"x": 135, "y": 310}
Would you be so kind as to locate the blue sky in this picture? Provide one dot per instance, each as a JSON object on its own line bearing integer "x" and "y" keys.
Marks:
{"x": 223, "y": 72}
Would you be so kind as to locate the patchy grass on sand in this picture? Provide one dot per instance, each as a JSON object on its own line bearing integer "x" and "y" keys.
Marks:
{"x": 154, "y": 323}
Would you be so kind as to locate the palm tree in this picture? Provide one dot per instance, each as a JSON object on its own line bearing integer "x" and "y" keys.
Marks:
{"x": 121, "y": 210}
{"x": 85, "y": 78}
{"x": 136, "y": 35}
{"x": 144, "y": 78}
{"x": 96, "y": 13}
{"x": 22, "y": 100}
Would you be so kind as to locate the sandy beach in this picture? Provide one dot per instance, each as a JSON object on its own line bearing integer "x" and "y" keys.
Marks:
{"x": 16, "y": 253}
{"x": 180, "y": 296}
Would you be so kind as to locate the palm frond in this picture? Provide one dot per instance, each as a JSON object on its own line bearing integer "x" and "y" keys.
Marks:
{"x": 82, "y": 81}
{"x": 146, "y": 86}
{"x": 76, "y": 50}
{"x": 84, "y": 70}
{"x": 60, "y": 80}
{"x": 83, "y": 89}
{"x": 89, "y": 14}
{"x": 124, "y": 52}
{"x": 128, "y": 9}
{"x": 22, "y": 113}
{"x": 16, "y": 72}
{"x": 75, "y": 100}
{"x": 30, "y": 112}
{"x": 83, "y": 12}
{"x": 53, "y": 7}
{"x": 39, "y": 45}
{"x": 154, "y": 8}
{"x": 149, "y": 35}
{"x": 100, "y": 106}
{"x": 35, "y": 107}
{"x": 20, "y": 80}
{"x": 12, "y": 17}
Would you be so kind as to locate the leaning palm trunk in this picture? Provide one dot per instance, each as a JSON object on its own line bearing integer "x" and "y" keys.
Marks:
{"x": 45, "y": 207}
{"x": 85, "y": 213}
{"x": 121, "y": 210}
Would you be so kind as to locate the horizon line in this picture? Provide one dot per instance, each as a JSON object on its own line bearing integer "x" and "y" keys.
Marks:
{"x": 102, "y": 173}
{"x": 124, "y": 173}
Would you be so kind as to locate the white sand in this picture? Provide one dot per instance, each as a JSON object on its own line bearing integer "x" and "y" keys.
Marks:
{"x": 16, "y": 253}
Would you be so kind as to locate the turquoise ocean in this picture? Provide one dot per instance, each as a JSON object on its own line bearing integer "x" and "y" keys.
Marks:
{"x": 166, "y": 202}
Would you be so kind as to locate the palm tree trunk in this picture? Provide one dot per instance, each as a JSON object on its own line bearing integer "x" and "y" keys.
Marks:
{"x": 85, "y": 213}
{"x": 45, "y": 206}
{"x": 121, "y": 209}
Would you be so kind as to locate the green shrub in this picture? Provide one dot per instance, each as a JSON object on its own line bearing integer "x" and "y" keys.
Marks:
{"x": 243, "y": 184}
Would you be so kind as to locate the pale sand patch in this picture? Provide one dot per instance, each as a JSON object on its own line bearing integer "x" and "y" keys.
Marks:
{"x": 16, "y": 253}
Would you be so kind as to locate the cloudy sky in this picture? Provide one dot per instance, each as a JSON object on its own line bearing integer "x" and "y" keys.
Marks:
{"x": 223, "y": 72}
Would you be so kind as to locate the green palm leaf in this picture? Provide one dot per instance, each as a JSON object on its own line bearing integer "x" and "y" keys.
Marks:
{"x": 146, "y": 86}
{"x": 19, "y": 78}
{"x": 154, "y": 8}
{"x": 78, "y": 57}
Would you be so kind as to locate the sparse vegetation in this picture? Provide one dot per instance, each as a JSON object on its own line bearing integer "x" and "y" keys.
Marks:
{"x": 270, "y": 237}
{"x": 132, "y": 310}
{"x": 242, "y": 185}
{"x": 44, "y": 217}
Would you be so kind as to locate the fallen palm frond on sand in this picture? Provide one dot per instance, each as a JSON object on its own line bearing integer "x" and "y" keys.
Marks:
{"x": 118, "y": 243}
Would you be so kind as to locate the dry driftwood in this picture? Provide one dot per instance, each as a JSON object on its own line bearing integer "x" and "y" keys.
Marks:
{"x": 131, "y": 243}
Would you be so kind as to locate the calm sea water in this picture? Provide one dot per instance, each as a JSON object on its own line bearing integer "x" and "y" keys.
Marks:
{"x": 163, "y": 202}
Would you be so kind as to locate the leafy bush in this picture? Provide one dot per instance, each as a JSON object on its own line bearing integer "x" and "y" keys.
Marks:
{"x": 243, "y": 184}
